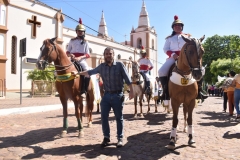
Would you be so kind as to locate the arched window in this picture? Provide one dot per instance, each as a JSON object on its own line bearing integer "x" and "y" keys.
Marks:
{"x": 139, "y": 43}
{"x": 2, "y": 15}
{"x": 14, "y": 55}
{"x": 152, "y": 43}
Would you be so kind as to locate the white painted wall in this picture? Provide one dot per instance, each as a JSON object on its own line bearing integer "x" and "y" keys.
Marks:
{"x": 21, "y": 29}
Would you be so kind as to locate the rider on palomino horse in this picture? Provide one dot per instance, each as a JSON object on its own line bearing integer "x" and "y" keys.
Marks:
{"x": 145, "y": 66}
{"x": 78, "y": 50}
{"x": 172, "y": 48}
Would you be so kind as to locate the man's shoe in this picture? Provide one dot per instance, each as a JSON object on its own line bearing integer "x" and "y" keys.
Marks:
{"x": 105, "y": 142}
{"x": 119, "y": 143}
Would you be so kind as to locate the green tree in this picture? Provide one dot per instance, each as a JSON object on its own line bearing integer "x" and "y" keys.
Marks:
{"x": 217, "y": 47}
{"x": 220, "y": 67}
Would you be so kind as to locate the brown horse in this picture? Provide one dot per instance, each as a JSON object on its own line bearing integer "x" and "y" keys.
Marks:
{"x": 138, "y": 89}
{"x": 183, "y": 87}
{"x": 67, "y": 86}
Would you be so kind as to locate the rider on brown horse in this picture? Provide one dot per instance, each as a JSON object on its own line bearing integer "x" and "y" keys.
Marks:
{"x": 172, "y": 48}
{"x": 145, "y": 66}
{"x": 78, "y": 50}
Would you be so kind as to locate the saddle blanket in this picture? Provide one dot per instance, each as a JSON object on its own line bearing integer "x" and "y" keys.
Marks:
{"x": 181, "y": 81}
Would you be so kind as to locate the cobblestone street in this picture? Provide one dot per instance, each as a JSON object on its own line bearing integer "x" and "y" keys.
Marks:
{"x": 36, "y": 135}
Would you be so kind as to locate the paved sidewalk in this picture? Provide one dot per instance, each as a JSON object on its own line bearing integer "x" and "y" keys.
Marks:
{"x": 36, "y": 136}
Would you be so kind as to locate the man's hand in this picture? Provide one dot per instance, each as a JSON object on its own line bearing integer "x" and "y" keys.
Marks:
{"x": 175, "y": 56}
{"x": 74, "y": 73}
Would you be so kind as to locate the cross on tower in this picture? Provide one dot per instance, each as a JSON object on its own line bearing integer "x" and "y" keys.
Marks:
{"x": 34, "y": 23}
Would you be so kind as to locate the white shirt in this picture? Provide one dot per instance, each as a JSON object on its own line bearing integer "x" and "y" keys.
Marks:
{"x": 75, "y": 46}
{"x": 174, "y": 43}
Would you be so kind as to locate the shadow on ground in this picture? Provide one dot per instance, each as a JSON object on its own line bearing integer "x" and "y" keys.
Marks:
{"x": 146, "y": 145}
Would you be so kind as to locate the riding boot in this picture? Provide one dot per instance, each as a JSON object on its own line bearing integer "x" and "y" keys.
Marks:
{"x": 201, "y": 94}
{"x": 82, "y": 92}
{"x": 147, "y": 87}
{"x": 164, "y": 83}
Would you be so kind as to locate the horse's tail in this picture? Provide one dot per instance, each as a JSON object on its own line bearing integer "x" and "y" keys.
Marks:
{"x": 89, "y": 101}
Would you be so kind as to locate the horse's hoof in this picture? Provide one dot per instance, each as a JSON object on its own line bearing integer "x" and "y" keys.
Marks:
{"x": 191, "y": 142}
{"x": 141, "y": 115}
{"x": 89, "y": 125}
{"x": 64, "y": 133}
{"x": 135, "y": 116}
{"x": 156, "y": 111}
{"x": 80, "y": 134}
{"x": 171, "y": 145}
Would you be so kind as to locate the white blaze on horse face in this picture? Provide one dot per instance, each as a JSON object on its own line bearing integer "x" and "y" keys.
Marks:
{"x": 42, "y": 48}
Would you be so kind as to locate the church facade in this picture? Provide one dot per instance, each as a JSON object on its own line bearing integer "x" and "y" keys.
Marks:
{"x": 36, "y": 22}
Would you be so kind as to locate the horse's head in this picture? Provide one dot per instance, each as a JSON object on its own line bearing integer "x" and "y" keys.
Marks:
{"x": 135, "y": 71}
{"x": 191, "y": 54}
{"x": 47, "y": 53}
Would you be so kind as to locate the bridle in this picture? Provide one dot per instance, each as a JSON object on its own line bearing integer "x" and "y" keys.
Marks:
{"x": 197, "y": 44}
{"x": 47, "y": 58}
{"x": 135, "y": 74}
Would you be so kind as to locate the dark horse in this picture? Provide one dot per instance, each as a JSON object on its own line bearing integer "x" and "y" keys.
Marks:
{"x": 183, "y": 87}
{"x": 67, "y": 86}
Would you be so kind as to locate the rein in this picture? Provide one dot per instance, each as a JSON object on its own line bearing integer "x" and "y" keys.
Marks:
{"x": 183, "y": 73}
{"x": 49, "y": 64}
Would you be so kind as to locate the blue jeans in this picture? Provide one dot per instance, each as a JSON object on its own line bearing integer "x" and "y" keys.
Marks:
{"x": 112, "y": 101}
{"x": 237, "y": 100}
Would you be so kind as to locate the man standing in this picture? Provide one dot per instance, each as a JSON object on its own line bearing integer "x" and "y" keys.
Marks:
{"x": 78, "y": 50}
{"x": 114, "y": 74}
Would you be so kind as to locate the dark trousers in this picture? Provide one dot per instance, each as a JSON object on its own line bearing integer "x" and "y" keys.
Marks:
{"x": 225, "y": 100}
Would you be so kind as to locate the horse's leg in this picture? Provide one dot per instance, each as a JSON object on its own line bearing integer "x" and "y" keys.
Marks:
{"x": 65, "y": 115}
{"x": 79, "y": 120}
{"x": 155, "y": 106}
{"x": 189, "y": 121}
{"x": 173, "y": 135}
{"x": 148, "y": 101}
{"x": 89, "y": 106}
{"x": 141, "y": 104}
{"x": 135, "y": 105}
{"x": 185, "y": 111}
{"x": 97, "y": 107}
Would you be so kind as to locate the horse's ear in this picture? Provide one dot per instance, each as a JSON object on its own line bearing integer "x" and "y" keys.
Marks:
{"x": 202, "y": 38}
{"x": 53, "y": 39}
{"x": 188, "y": 40}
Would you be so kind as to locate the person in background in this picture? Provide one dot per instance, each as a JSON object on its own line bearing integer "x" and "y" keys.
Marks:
{"x": 145, "y": 66}
{"x": 230, "y": 92}
{"x": 236, "y": 83}
{"x": 225, "y": 98}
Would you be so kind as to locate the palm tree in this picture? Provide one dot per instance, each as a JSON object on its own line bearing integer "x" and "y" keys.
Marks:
{"x": 45, "y": 75}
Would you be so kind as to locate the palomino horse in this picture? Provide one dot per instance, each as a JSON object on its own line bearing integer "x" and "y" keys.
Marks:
{"x": 67, "y": 86}
{"x": 183, "y": 87}
{"x": 138, "y": 89}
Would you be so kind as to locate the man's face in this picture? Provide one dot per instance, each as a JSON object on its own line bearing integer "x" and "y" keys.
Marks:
{"x": 108, "y": 56}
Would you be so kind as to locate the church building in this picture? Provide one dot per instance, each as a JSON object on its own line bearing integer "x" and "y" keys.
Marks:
{"x": 37, "y": 21}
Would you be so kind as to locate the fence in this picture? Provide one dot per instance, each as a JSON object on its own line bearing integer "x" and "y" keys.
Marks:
{"x": 2, "y": 88}
{"x": 43, "y": 88}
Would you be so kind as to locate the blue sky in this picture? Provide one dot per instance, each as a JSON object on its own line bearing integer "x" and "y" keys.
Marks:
{"x": 200, "y": 17}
